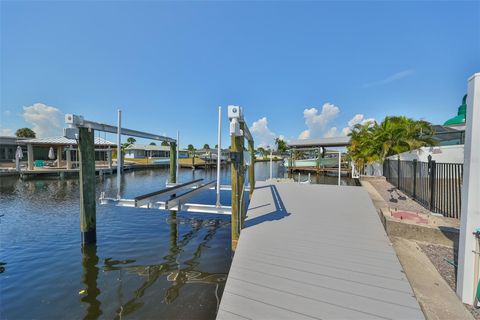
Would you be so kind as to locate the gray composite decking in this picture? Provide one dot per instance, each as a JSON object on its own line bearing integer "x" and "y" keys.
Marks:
{"x": 315, "y": 252}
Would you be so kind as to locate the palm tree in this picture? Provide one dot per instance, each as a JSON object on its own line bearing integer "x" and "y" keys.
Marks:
{"x": 281, "y": 145}
{"x": 25, "y": 133}
{"x": 261, "y": 150}
{"x": 394, "y": 135}
{"x": 131, "y": 140}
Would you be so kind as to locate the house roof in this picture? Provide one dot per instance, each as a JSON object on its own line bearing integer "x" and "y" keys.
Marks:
{"x": 320, "y": 142}
{"x": 11, "y": 140}
{"x": 62, "y": 141}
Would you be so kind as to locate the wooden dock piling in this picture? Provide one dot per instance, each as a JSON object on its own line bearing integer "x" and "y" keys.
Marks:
{"x": 173, "y": 162}
{"x": 251, "y": 169}
{"x": 241, "y": 177}
{"x": 237, "y": 151}
{"x": 86, "y": 153}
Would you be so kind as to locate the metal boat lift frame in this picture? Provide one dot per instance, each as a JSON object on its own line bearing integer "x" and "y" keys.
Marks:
{"x": 83, "y": 131}
{"x": 175, "y": 202}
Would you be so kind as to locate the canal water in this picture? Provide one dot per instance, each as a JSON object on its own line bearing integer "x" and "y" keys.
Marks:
{"x": 146, "y": 263}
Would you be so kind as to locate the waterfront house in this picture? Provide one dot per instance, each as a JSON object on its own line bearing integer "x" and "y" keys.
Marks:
{"x": 65, "y": 152}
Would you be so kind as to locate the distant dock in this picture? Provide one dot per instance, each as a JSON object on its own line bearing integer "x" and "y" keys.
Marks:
{"x": 63, "y": 172}
{"x": 315, "y": 252}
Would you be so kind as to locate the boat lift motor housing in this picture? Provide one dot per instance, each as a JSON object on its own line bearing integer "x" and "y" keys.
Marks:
{"x": 70, "y": 133}
{"x": 235, "y": 112}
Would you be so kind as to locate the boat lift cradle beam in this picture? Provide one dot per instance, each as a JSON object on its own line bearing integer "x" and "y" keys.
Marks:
{"x": 146, "y": 198}
{"x": 177, "y": 203}
{"x": 177, "y": 200}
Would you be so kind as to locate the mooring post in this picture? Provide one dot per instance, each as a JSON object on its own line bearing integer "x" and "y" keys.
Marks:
{"x": 173, "y": 162}
{"x": 241, "y": 175}
{"x": 177, "y": 155}
{"x": 251, "y": 169}
{"x": 219, "y": 155}
{"x": 235, "y": 194}
{"x": 86, "y": 151}
{"x": 119, "y": 152}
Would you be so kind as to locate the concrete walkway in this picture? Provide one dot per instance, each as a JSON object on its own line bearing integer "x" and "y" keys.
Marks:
{"x": 315, "y": 252}
{"x": 438, "y": 300}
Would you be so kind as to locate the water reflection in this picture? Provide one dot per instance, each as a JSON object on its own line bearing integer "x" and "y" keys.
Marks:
{"x": 89, "y": 279}
{"x": 172, "y": 270}
{"x": 160, "y": 262}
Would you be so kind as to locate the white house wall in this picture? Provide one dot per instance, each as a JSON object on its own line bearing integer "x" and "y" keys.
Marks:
{"x": 444, "y": 154}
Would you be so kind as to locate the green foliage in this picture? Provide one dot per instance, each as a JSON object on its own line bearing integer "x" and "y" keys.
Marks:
{"x": 190, "y": 147}
{"x": 206, "y": 146}
{"x": 131, "y": 140}
{"x": 281, "y": 145}
{"x": 373, "y": 142}
{"x": 262, "y": 151}
{"x": 165, "y": 143}
{"x": 25, "y": 133}
{"x": 153, "y": 143}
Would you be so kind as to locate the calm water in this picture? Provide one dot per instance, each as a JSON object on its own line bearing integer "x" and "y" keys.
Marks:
{"x": 146, "y": 264}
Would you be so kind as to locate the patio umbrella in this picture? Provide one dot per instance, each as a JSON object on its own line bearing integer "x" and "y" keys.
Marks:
{"x": 51, "y": 154}
{"x": 18, "y": 156}
{"x": 19, "y": 153}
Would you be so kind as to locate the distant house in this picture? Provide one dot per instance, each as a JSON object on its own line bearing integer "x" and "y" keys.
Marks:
{"x": 212, "y": 154}
{"x": 146, "y": 151}
{"x": 8, "y": 147}
{"x": 65, "y": 151}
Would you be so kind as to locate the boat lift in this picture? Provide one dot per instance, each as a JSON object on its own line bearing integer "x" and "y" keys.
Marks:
{"x": 174, "y": 196}
{"x": 174, "y": 201}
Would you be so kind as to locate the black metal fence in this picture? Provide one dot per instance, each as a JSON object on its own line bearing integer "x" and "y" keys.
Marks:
{"x": 436, "y": 186}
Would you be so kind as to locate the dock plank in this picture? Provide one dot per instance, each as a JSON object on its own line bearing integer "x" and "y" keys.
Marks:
{"x": 315, "y": 251}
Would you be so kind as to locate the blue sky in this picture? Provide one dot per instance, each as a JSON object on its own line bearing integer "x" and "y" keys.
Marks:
{"x": 297, "y": 68}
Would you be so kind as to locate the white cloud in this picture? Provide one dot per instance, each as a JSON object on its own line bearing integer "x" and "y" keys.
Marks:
{"x": 317, "y": 121}
{"x": 46, "y": 121}
{"x": 6, "y": 132}
{"x": 263, "y": 135}
{"x": 357, "y": 119}
{"x": 391, "y": 78}
{"x": 332, "y": 132}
